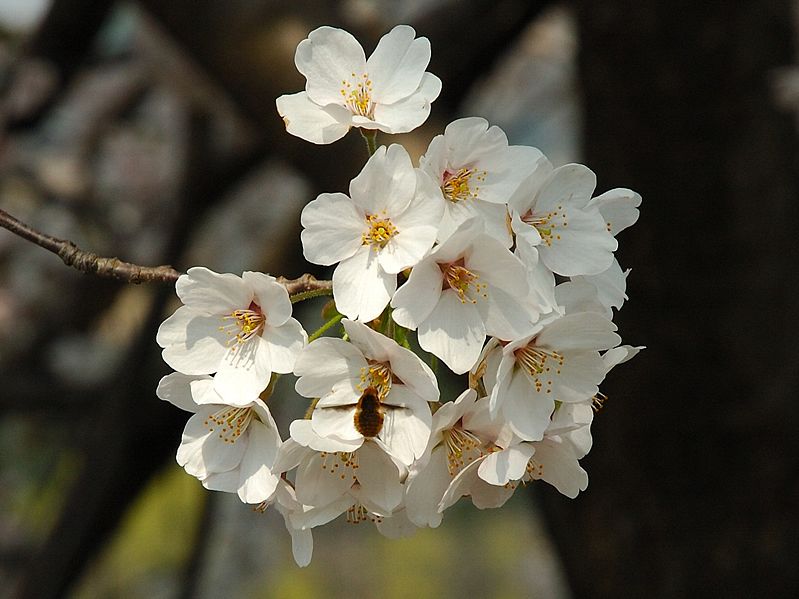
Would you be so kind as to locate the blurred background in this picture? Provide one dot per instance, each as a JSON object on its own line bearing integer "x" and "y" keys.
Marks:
{"x": 147, "y": 130}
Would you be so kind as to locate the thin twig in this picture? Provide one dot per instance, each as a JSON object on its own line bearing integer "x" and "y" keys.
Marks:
{"x": 89, "y": 262}
{"x": 306, "y": 282}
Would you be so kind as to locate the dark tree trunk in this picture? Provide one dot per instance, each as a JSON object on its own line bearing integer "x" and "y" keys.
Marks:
{"x": 694, "y": 485}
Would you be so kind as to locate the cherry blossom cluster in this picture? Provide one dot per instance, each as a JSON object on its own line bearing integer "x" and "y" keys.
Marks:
{"x": 483, "y": 256}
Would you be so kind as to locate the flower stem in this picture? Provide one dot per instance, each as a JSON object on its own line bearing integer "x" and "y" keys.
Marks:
{"x": 321, "y": 330}
{"x": 311, "y": 293}
{"x": 370, "y": 136}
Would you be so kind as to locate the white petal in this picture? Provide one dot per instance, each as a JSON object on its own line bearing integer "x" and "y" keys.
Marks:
{"x": 193, "y": 343}
{"x": 379, "y": 478}
{"x": 417, "y": 228}
{"x": 312, "y": 122}
{"x": 561, "y": 469}
{"x": 270, "y": 296}
{"x": 501, "y": 467}
{"x": 258, "y": 482}
{"x": 570, "y": 184}
{"x": 581, "y": 331}
{"x": 361, "y": 288}
{"x": 397, "y": 64}
{"x": 176, "y": 389}
{"x": 216, "y": 455}
{"x": 244, "y": 372}
{"x": 619, "y": 208}
{"x": 284, "y": 344}
{"x": 325, "y": 362}
{"x": 410, "y": 112}
{"x": 301, "y": 545}
{"x": 527, "y": 412}
{"x": 424, "y": 490}
{"x": 302, "y": 432}
{"x": 335, "y": 422}
{"x": 211, "y": 292}
{"x": 227, "y": 482}
{"x": 406, "y": 430}
{"x": 498, "y": 266}
{"x": 416, "y": 299}
{"x": 333, "y": 229}
{"x": 585, "y": 247}
{"x": 386, "y": 184}
{"x": 610, "y": 285}
{"x": 328, "y": 58}
{"x": 454, "y": 332}
{"x": 320, "y": 480}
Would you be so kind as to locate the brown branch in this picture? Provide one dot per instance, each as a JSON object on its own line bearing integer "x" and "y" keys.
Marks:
{"x": 306, "y": 282}
{"x": 89, "y": 262}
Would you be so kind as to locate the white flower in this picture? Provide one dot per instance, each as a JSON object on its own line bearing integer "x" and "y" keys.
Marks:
{"x": 462, "y": 432}
{"x": 335, "y": 477}
{"x": 391, "y": 91}
{"x": 558, "y": 361}
{"x": 551, "y": 215}
{"x": 370, "y": 389}
{"x": 619, "y": 209}
{"x": 469, "y": 286}
{"x": 388, "y": 224}
{"x": 477, "y": 173}
{"x": 238, "y": 327}
{"x": 229, "y": 448}
{"x": 553, "y": 459}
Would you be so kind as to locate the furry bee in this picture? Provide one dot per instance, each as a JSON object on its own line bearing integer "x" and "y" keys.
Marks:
{"x": 370, "y": 412}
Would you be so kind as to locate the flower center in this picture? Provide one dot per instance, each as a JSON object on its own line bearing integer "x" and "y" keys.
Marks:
{"x": 547, "y": 224}
{"x": 229, "y": 423}
{"x": 357, "y": 513}
{"x": 342, "y": 464}
{"x": 462, "y": 446}
{"x": 380, "y": 231}
{"x": 246, "y": 324}
{"x": 465, "y": 283}
{"x": 537, "y": 361}
{"x": 357, "y": 95}
{"x": 377, "y": 375}
{"x": 455, "y": 185}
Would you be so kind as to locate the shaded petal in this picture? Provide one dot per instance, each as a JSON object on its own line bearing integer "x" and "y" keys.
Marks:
{"x": 312, "y": 122}
{"x": 386, "y": 184}
{"x": 335, "y": 421}
{"x": 379, "y": 479}
{"x": 397, "y": 64}
{"x": 619, "y": 208}
{"x": 323, "y": 363}
{"x": 424, "y": 490}
{"x": 570, "y": 184}
{"x": 211, "y": 292}
{"x": 284, "y": 344}
{"x": 328, "y": 58}
{"x": 527, "y": 412}
{"x": 581, "y": 331}
{"x": 501, "y": 467}
{"x": 361, "y": 288}
{"x": 333, "y": 229}
{"x": 193, "y": 343}
{"x": 407, "y": 114}
{"x": 454, "y": 332}
{"x": 176, "y": 389}
{"x": 419, "y": 295}
{"x": 244, "y": 372}
{"x": 257, "y": 482}
{"x": 270, "y": 296}
{"x": 417, "y": 228}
